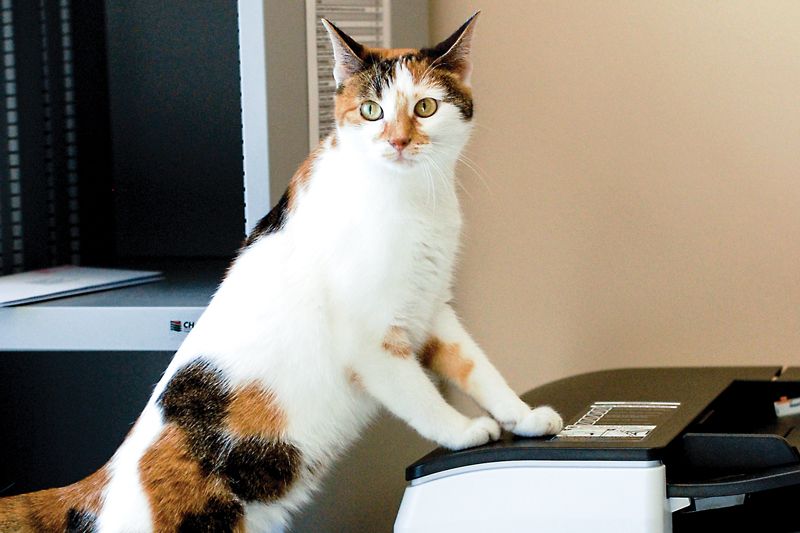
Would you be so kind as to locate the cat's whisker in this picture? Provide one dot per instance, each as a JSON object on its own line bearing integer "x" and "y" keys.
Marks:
{"x": 483, "y": 127}
{"x": 467, "y": 162}
{"x": 464, "y": 189}
{"x": 441, "y": 173}
{"x": 473, "y": 166}
{"x": 430, "y": 186}
{"x": 431, "y": 180}
{"x": 429, "y": 69}
{"x": 433, "y": 187}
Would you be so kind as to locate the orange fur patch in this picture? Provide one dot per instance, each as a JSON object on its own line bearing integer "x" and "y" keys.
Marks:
{"x": 15, "y": 514}
{"x": 446, "y": 360}
{"x": 389, "y": 53}
{"x": 355, "y": 379}
{"x": 418, "y": 69}
{"x": 302, "y": 176}
{"x": 254, "y": 411}
{"x": 47, "y": 510}
{"x": 396, "y": 342}
{"x": 174, "y": 483}
{"x": 347, "y": 103}
{"x": 405, "y": 126}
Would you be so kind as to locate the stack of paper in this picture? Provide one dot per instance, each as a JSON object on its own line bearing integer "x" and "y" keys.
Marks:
{"x": 58, "y": 282}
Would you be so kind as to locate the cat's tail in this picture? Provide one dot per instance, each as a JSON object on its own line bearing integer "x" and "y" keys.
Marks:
{"x": 71, "y": 508}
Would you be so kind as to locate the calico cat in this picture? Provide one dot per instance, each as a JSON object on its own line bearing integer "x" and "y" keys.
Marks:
{"x": 336, "y": 305}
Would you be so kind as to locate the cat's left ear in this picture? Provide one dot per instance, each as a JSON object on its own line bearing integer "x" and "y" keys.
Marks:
{"x": 453, "y": 52}
{"x": 346, "y": 53}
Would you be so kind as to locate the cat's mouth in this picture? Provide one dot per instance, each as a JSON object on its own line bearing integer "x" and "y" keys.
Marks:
{"x": 401, "y": 158}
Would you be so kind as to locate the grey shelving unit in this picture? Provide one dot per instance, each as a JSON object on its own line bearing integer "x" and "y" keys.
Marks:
{"x": 153, "y": 316}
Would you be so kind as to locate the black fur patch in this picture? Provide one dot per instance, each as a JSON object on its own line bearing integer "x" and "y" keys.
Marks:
{"x": 272, "y": 222}
{"x": 379, "y": 74}
{"x": 354, "y": 46}
{"x": 443, "y": 47}
{"x": 456, "y": 96}
{"x": 80, "y": 521}
{"x": 218, "y": 517}
{"x": 261, "y": 470}
{"x": 196, "y": 399}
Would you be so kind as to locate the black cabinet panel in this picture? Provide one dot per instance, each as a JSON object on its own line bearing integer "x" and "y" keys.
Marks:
{"x": 63, "y": 414}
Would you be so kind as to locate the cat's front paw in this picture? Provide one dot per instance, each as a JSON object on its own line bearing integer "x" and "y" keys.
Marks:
{"x": 537, "y": 422}
{"x": 478, "y": 431}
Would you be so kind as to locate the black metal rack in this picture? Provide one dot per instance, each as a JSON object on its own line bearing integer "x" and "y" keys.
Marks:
{"x": 120, "y": 131}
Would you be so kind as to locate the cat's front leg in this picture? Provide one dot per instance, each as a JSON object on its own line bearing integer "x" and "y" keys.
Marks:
{"x": 452, "y": 353}
{"x": 393, "y": 376}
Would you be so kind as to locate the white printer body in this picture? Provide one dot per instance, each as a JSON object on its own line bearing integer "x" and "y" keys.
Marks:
{"x": 614, "y": 496}
{"x": 644, "y": 450}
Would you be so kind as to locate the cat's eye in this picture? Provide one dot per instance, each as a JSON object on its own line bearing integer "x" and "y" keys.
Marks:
{"x": 426, "y": 107}
{"x": 371, "y": 110}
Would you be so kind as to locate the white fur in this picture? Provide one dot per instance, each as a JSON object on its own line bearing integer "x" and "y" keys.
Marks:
{"x": 370, "y": 244}
{"x": 126, "y": 508}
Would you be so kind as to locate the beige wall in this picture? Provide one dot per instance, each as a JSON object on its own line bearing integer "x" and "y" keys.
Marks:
{"x": 643, "y": 171}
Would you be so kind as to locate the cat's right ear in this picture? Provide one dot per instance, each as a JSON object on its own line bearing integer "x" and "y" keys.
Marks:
{"x": 346, "y": 53}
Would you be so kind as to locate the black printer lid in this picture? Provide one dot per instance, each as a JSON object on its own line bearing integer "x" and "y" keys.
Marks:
{"x": 664, "y": 400}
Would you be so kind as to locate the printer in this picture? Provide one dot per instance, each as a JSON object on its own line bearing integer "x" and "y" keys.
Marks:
{"x": 643, "y": 450}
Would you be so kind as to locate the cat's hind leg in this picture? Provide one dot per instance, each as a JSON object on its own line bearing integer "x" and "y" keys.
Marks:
{"x": 452, "y": 353}
{"x": 393, "y": 376}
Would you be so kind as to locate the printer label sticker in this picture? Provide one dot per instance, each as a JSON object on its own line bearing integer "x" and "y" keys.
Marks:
{"x": 619, "y": 420}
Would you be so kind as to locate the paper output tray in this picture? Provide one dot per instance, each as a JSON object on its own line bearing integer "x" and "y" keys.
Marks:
{"x": 714, "y": 464}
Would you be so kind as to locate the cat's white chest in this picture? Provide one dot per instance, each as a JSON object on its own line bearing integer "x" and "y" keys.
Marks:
{"x": 387, "y": 243}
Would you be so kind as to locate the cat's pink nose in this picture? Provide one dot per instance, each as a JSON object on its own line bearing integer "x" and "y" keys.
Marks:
{"x": 400, "y": 143}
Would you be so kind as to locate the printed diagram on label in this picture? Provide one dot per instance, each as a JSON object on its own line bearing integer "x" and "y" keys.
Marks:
{"x": 619, "y": 420}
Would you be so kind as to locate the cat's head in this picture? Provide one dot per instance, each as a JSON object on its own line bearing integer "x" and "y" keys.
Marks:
{"x": 404, "y": 107}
